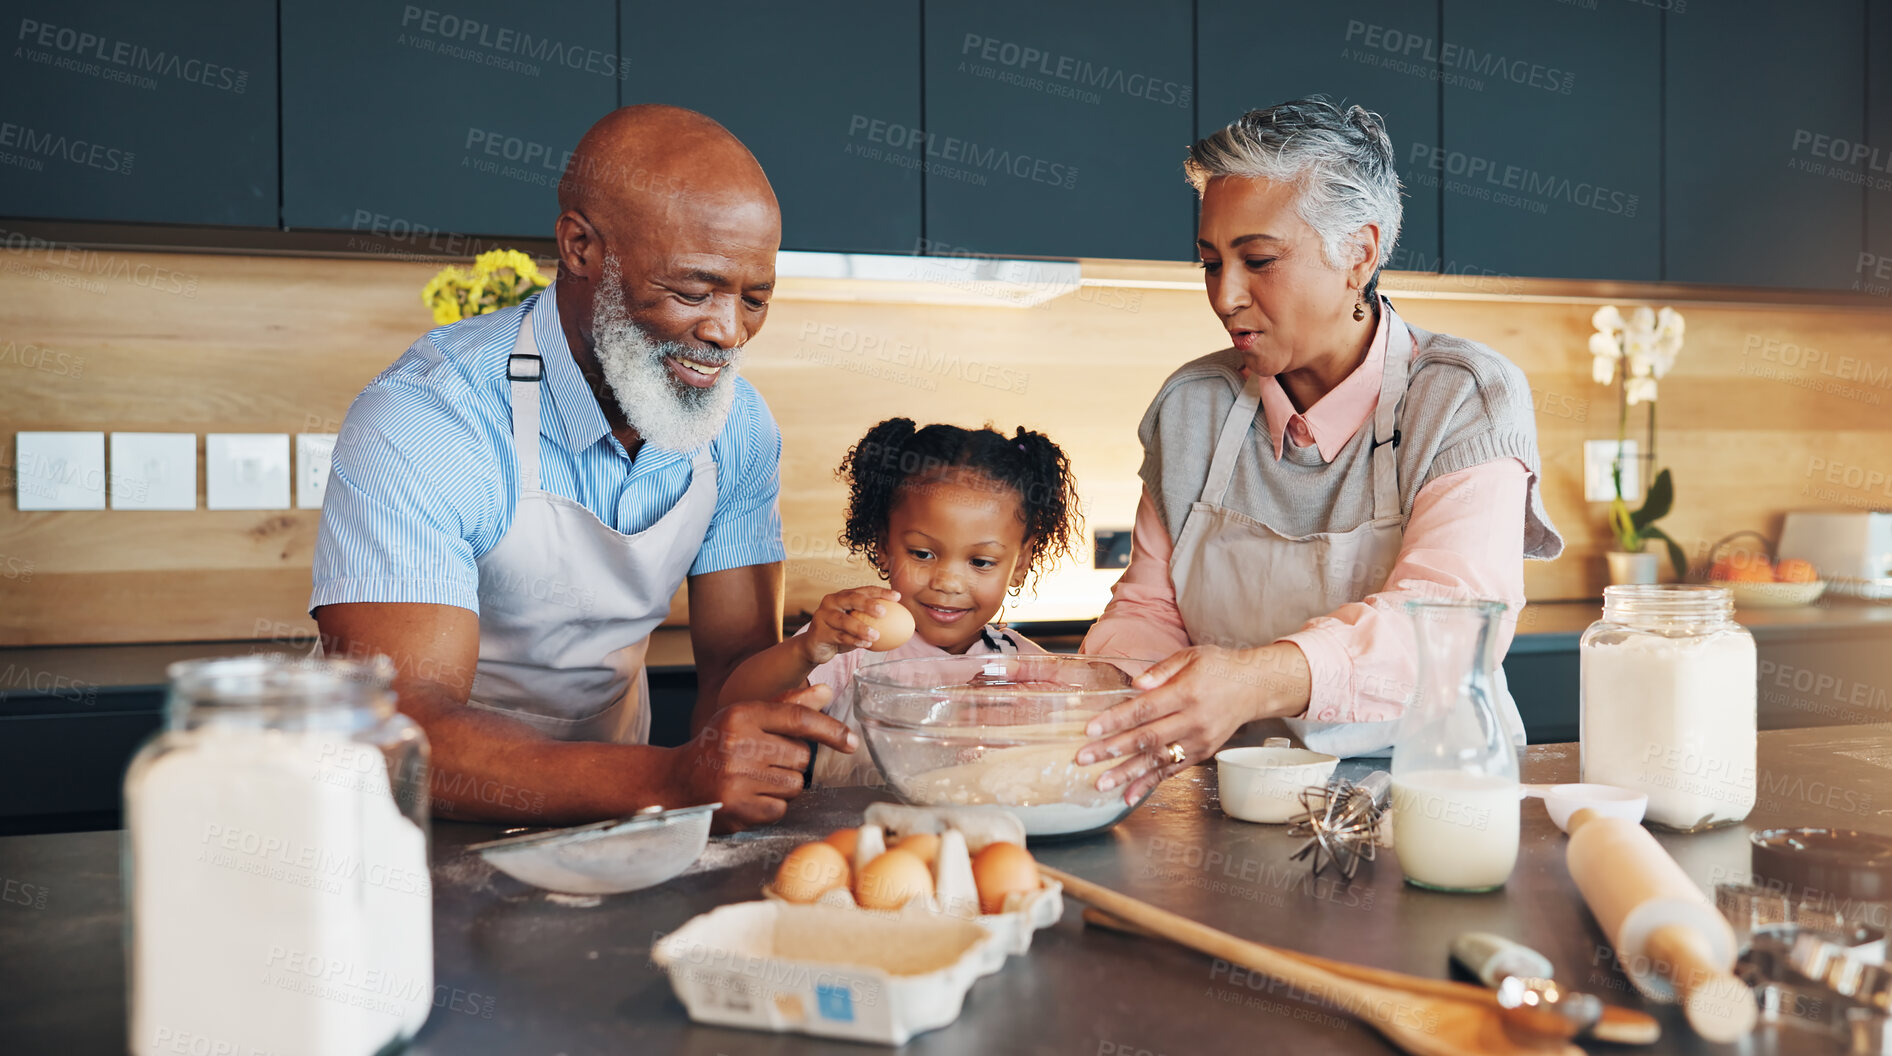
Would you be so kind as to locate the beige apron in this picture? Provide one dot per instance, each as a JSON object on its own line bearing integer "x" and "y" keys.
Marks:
{"x": 567, "y": 603}
{"x": 1240, "y": 583}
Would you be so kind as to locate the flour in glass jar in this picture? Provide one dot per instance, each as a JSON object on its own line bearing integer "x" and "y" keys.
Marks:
{"x": 280, "y": 900}
{"x": 1673, "y": 717}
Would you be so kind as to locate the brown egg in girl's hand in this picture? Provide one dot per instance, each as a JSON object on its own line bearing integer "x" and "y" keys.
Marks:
{"x": 999, "y": 870}
{"x": 895, "y": 626}
{"x": 810, "y": 871}
{"x": 892, "y": 880}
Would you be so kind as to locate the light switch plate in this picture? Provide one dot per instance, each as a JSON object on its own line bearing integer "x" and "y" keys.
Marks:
{"x": 154, "y": 471}
{"x": 59, "y": 471}
{"x": 246, "y": 471}
{"x": 1599, "y": 457}
{"x": 313, "y": 452}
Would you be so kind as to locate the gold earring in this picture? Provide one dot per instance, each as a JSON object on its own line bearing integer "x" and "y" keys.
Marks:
{"x": 1359, "y": 308}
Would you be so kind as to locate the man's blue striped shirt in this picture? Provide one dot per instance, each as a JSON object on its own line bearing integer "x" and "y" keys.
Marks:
{"x": 424, "y": 479}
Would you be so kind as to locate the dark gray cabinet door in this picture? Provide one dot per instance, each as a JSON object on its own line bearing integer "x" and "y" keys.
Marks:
{"x": 1552, "y": 166}
{"x": 1380, "y": 54}
{"x": 1759, "y": 97}
{"x": 128, "y": 110}
{"x": 827, "y": 95}
{"x": 1056, "y": 128}
{"x": 404, "y": 117}
{"x": 1873, "y": 272}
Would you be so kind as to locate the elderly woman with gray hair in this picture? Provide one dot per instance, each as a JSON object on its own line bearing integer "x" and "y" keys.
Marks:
{"x": 1334, "y": 462}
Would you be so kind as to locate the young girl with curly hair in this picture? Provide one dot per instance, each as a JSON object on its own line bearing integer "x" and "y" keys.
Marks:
{"x": 953, "y": 519}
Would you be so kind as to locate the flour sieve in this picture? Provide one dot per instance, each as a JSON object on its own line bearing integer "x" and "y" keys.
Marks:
{"x": 605, "y": 857}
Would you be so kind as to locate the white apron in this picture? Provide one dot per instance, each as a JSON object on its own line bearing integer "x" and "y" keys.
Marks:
{"x": 1240, "y": 583}
{"x": 567, "y": 603}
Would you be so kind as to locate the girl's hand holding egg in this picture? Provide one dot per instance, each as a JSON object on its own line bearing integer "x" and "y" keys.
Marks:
{"x": 860, "y": 618}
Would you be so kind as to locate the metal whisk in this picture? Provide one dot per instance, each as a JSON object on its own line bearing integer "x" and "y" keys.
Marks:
{"x": 1342, "y": 821}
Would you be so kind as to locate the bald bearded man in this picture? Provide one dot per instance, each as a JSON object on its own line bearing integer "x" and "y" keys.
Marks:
{"x": 513, "y": 503}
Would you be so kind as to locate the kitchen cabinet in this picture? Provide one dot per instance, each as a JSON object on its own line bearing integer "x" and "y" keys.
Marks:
{"x": 1759, "y": 98}
{"x": 827, "y": 95}
{"x": 1873, "y": 273}
{"x": 1056, "y": 128}
{"x": 1552, "y": 139}
{"x": 414, "y": 121}
{"x": 148, "y": 113}
{"x": 1380, "y": 54}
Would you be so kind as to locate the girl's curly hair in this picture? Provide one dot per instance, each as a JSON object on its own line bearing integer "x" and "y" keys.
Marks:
{"x": 895, "y": 454}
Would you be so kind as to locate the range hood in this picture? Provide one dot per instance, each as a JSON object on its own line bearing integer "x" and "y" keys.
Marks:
{"x": 956, "y": 280}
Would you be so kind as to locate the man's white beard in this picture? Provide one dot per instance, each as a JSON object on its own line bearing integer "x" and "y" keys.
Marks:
{"x": 664, "y": 411}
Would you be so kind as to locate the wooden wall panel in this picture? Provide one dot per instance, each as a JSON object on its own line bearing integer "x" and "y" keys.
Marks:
{"x": 1762, "y": 403}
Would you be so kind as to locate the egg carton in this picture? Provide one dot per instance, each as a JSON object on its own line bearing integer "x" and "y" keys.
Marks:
{"x": 829, "y": 972}
{"x": 1024, "y": 912}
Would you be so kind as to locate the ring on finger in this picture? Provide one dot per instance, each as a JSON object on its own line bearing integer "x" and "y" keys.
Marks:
{"x": 1176, "y": 753}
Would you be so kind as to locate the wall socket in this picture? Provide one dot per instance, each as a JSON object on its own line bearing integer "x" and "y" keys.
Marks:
{"x": 1599, "y": 458}
{"x": 313, "y": 453}
{"x": 1110, "y": 548}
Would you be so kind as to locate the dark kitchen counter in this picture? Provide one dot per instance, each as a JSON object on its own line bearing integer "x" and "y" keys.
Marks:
{"x": 70, "y": 716}
{"x": 519, "y": 971}
{"x": 74, "y": 671}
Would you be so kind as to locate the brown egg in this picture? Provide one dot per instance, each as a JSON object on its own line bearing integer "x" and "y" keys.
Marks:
{"x": 892, "y": 880}
{"x": 923, "y": 844}
{"x": 895, "y": 627}
{"x": 999, "y": 870}
{"x": 810, "y": 871}
{"x": 844, "y": 840}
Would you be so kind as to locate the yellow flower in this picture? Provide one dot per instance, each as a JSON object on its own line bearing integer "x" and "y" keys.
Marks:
{"x": 499, "y": 278}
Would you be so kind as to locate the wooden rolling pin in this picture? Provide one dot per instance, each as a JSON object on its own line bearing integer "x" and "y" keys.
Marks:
{"x": 1671, "y": 941}
{"x": 1421, "y": 1024}
{"x": 1620, "y": 1026}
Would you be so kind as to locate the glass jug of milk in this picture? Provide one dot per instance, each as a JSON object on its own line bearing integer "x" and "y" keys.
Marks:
{"x": 1455, "y": 771}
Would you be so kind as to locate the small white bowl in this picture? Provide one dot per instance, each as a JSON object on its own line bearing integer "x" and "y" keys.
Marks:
{"x": 1264, "y": 784}
{"x": 1561, "y": 801}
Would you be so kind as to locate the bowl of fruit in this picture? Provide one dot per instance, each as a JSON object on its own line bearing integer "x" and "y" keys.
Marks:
{"x": 1756, "y": 580}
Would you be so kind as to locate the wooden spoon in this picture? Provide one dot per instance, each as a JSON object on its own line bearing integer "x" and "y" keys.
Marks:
{"x": 1419, "y": 1023}
{"x": 1620, "y": 1026}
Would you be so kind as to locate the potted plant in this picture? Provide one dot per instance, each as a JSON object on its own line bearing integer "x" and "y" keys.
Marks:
{"x": 1633, "y": 354}
{"x": 499, "y": 278}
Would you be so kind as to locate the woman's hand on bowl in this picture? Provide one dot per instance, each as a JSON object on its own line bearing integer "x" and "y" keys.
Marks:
{"x": 1197, "y": 699}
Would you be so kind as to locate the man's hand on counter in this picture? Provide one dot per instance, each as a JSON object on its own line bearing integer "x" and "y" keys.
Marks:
{"x": 488, "y": 766}
{"x": 751, "y": 756}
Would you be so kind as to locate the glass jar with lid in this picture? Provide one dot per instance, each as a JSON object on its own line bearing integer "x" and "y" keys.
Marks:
{"x": 275, "y": 863}
{"x": 1670, "y": 683}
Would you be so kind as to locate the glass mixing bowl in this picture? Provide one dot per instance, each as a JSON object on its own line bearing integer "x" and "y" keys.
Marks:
{"x": 997, "y": 729}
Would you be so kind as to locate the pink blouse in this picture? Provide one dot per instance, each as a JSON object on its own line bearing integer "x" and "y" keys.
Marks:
{"x": 1362, "y": 664}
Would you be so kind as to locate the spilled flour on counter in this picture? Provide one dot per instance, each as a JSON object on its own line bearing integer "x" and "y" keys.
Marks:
{"x": 744, "y": 848}
{"x": 575, "y": 901}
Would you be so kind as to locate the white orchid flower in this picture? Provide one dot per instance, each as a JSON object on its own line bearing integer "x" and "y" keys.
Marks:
{"x": 1642, "y": 320}
{"x": 1603, "y": 346}
{"x": 1638, "y": 390}
{"x": 1666, "y": 349}
{"x": 1607, "y": 319}
{"x": 1669, "y": 323}
{"x": 1603, "y": 370}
